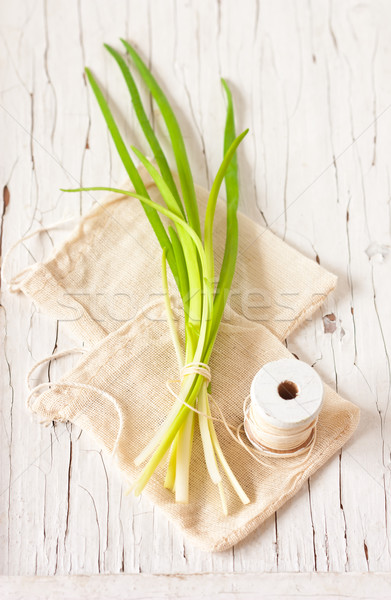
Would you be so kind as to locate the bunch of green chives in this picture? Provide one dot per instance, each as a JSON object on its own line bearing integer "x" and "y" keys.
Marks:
{"x": 191, "y": 260}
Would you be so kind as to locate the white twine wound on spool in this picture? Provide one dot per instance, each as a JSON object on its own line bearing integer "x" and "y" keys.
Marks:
{"x": 286, "y": 398}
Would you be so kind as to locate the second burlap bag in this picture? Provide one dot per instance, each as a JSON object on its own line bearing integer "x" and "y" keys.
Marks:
{"x": 101, "y": 273}
{"x": 110, "y": 267}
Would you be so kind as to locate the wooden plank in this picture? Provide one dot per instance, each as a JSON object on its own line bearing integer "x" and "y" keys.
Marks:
{"x": 272, "y": 586}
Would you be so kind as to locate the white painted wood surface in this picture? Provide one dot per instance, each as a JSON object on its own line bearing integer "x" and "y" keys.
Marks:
{"x": 312, "y": 79}
{"x": 228, "y": 586}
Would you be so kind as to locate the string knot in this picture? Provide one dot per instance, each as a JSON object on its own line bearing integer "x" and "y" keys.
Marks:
{"x": 196, "y": 367}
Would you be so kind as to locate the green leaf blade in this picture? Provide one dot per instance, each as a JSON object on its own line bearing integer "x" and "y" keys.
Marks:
{"x": 145, "y": 125}
{"x": 227, "y": 270}
{"x": 178, "y": 145}
{"x": 133, "y": 173}
{"x": 212, "y": 200}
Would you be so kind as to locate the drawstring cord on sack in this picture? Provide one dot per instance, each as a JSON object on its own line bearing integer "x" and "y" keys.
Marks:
{"x": 60, "y": 354}
{"x": 14, "y": 286}
{"x": 14, "y": 283}
{"x": 72, "y": 385}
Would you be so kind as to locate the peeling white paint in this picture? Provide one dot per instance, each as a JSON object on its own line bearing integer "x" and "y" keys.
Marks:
{"x": 378, "y": 252}
{"x": 312, "y": 81}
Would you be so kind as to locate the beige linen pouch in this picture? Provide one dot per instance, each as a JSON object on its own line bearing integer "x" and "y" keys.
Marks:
{"x": 105, "y": 282}
{"x": 133, "y": 363}
{"x": 110, "y": 267}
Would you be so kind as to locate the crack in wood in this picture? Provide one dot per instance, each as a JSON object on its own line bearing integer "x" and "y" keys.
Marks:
{"x": 311, "y": 59}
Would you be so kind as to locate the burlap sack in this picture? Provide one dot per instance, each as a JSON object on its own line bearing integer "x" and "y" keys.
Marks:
{"x": 110, "y": 268}
{"x": 133, "y": 363}
{"x": 98, "y": 282}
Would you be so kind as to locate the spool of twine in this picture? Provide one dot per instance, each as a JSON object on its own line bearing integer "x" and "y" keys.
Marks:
{"x": 281, "y": 413}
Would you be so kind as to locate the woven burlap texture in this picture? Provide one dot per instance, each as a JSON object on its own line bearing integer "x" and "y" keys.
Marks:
{"x": 104, "y": 282}
{"x": 110, "y": 267}
{"x": 133, "y": 363}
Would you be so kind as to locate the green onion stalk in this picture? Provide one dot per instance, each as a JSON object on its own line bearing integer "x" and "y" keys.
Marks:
{"x": 190, "y": 257}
